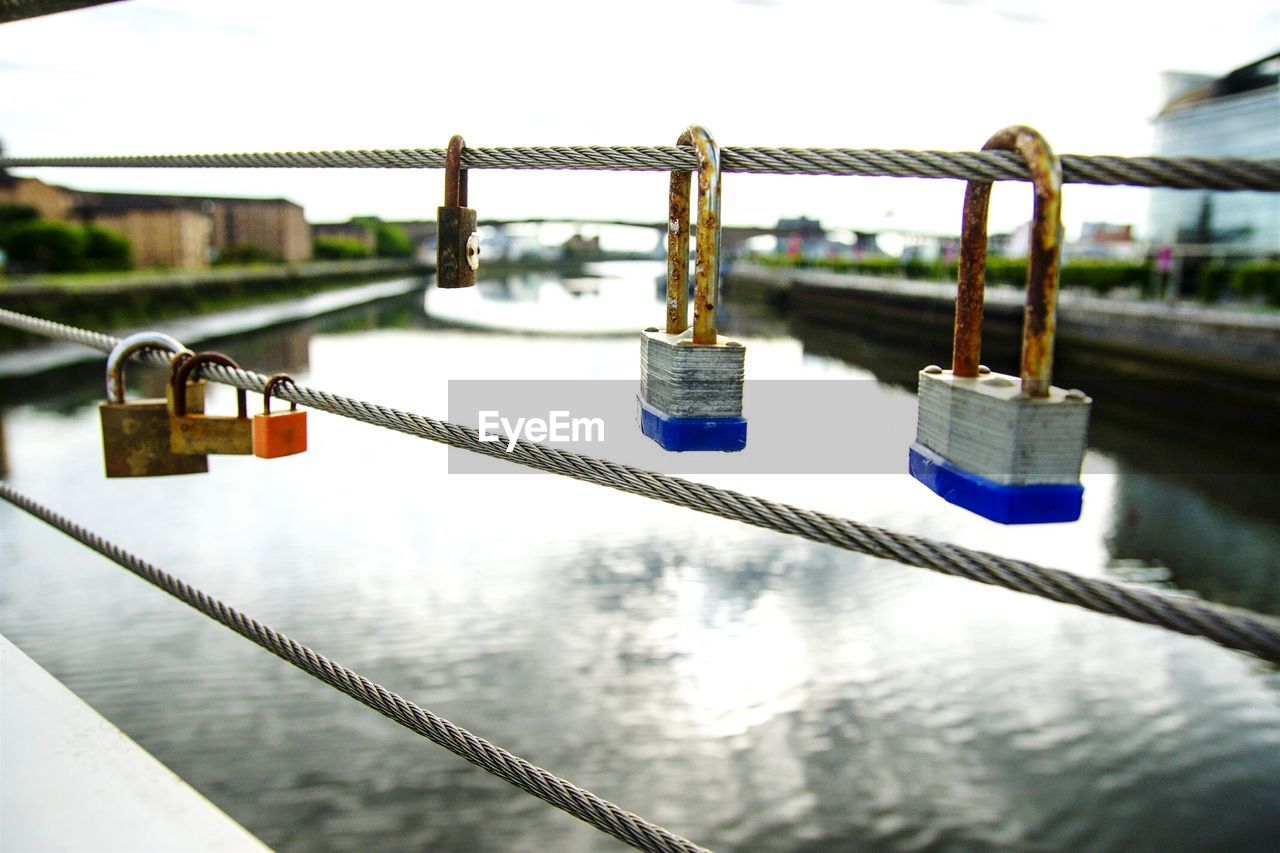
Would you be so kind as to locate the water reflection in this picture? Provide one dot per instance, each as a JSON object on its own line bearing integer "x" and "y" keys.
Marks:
{"x": 750, "y": 690}
{"x": 1165, "y": 533}
{"x": 607, "y": 298}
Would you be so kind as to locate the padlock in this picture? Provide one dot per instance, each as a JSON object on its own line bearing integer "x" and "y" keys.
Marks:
{"x": 279, "y": 433}
{"x": 691, "y": 378}
{"x": 457, "y": 243}
{"x": 191, "y": 433}
{"x": 195, "y": 387}
{"x": 135, "y": 436}
{"x": 1007, "y": 448}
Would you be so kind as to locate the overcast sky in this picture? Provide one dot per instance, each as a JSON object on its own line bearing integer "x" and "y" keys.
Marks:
{"x": 160, "y": 76}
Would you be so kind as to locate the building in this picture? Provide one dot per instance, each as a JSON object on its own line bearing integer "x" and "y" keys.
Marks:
{"x": 181, "y": 232}
{"x": 276, "y": 226}
{"x": 1105, "y": 241}
{"x": 49, "y": 201}
{"x": 1236, "y": 115}
{"x": 173, "y": 237}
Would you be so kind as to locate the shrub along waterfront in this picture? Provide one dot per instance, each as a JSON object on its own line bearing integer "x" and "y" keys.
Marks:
{"x": 32, "y": 244}
{"x": 1257, "y": 281}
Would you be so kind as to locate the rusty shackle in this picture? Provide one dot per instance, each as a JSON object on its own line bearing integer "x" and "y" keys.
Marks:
{"x": 127, "y": 347}
{"x": 706, "y": 268}
{"x": 455, "y": 177}
{"x": 182, "y": 372}
{"x": 272, "y": 381}
{"x": 1039, "y": 322}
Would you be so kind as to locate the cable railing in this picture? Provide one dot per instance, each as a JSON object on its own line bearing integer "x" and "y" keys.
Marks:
{"x": 1208, "y": 173}
{"x": 1229, "y": 627}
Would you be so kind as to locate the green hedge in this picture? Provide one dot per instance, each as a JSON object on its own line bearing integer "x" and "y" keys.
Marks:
{"x": 338, "y": 249}
{"x": 106, "y": 250}
{"x": 40, "y": 245}
{"x": 1212, "y": 280}
{"x": 1258, "y": 279}
{"x": 245, "y": 253}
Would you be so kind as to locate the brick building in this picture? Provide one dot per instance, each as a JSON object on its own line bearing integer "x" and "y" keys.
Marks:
{"x": 183, "y": 232}
{"x": 275, "y": 225}
{"x": 49, "y": 201}
{"x": 162, "y": 237}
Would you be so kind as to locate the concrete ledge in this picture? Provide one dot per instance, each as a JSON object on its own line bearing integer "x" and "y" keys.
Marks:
{"x": 69, "y": 780}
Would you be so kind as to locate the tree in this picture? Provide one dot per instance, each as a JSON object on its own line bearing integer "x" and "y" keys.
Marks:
{"x": 391, "y": 240}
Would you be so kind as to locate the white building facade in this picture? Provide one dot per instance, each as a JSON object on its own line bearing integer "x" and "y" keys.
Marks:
{"x": 1237, "y": 115}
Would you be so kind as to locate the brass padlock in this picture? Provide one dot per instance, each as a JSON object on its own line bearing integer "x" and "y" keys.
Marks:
{"x": 191, "y": 433}
{"x": 457, "y": 243}
{"x": 135, "y": 436}
{"x": 195, "y": 387}
{"x": 277, "y": 434}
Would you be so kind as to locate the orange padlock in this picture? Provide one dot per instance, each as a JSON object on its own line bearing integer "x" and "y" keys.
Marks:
{"x": 280, "y": 433}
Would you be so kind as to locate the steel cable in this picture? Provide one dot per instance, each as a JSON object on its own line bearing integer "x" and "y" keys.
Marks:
{"x": 1226, "y": 626}
{"x": 1172, "y": 172}
{"x": 17, "y": 10}
{"x": 528, "y": 777}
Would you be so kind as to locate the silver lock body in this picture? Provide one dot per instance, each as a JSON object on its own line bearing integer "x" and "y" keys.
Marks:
{"x": 988, "y": 427}
{"x": 687, "y": 380}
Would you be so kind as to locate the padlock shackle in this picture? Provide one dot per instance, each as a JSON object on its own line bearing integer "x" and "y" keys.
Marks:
{"x": 455, "y": 177}
{"x": 272, "y": 381}
{"x": 127, "y": 347}
{"x": 1040, "y": 316}
{"x": 706, "y": 285}
{"x": 183, "y": 372}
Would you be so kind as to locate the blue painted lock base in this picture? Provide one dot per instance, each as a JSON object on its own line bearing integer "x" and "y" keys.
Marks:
{"x": 728, "y": 435}
{"x": 1036, "y": 503}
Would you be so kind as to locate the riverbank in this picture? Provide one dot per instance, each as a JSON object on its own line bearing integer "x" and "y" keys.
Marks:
{"x": 1184, "y": 371}
{"x": 51, "y": 365}
{"x": 114, "y": 300}
{"x": 1151, "y": 337}
{"x": 98, "y": 302}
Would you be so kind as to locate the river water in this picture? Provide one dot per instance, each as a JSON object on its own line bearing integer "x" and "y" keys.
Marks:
{"x": 748, "y": 690}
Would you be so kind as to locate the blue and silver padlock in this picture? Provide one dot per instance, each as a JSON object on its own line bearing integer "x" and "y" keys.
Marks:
{"x": 1008, "y": 449}
{"x": 691, "y": 378}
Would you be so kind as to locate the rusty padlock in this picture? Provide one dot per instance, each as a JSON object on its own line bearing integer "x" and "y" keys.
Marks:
{"x": 280, "y": 433}
{"x": 135, "y": 436}
{"x": 691, "y": 380}
{"x": 191, "y": 433}
{"x": 195, "y": 387}
{"x": 457, "y": 244}
{"x": 1008, "y": 448}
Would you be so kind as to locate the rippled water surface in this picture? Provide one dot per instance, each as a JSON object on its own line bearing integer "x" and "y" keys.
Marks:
{"x": 748, "y": 690}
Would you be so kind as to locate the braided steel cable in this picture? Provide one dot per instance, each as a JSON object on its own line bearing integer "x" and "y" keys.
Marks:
{"x": 1174, "y": 172}
{"x": 1229, "y": 627}
{"x": 17, "y": 10}
{"x": 528, "y": 777}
